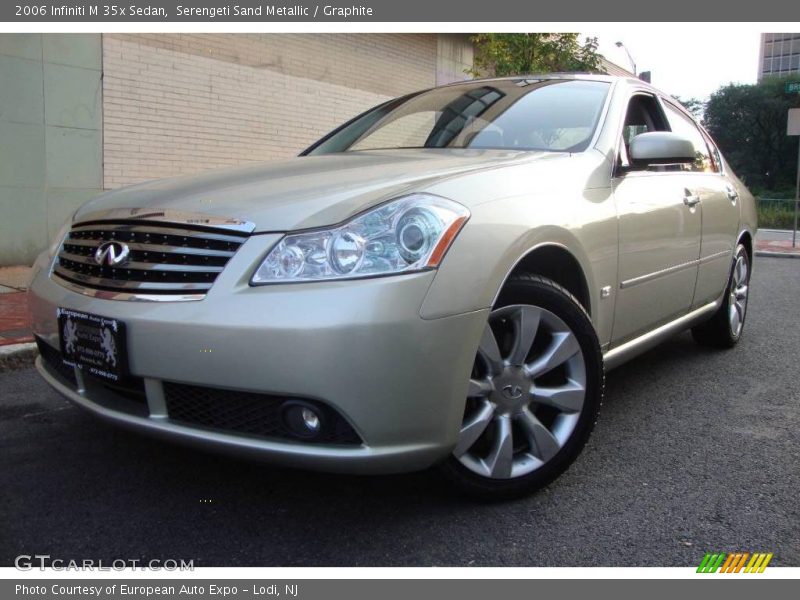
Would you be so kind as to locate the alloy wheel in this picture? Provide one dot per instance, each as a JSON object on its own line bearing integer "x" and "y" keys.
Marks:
{"x": 737, "y": 304}
{"x": 526, "y": 393}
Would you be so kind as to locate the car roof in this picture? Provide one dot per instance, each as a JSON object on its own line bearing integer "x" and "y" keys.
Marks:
{"x": 630, "y": 80}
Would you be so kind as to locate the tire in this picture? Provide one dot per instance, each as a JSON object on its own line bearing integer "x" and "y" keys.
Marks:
{"x": 724, "y": 329}
{"x": 534, "y": 395}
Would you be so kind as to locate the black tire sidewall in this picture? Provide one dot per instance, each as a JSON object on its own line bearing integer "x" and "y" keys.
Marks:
{"x": 545, "y": 294}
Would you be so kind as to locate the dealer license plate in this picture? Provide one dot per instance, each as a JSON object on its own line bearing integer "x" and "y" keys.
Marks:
{"x": 93, "y": 343}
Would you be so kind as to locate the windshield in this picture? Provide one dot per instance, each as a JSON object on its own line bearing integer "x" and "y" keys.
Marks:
{"x": 557, "y": 115}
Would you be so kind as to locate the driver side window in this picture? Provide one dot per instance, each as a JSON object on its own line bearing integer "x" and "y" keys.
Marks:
{"x": 643, "y": 115}
{"x": 683, "y": 126}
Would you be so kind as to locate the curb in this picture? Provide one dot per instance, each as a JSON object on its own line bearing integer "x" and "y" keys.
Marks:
{"x": 777, "y": 254}
{"x": 17, "y": 356}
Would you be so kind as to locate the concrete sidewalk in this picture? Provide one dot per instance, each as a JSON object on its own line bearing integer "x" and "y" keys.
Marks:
{"x": 776, "y": 242}
{"x": 15, "y": 322}
{"x": 14, "y": 279}
{"x": 17, "y": 349}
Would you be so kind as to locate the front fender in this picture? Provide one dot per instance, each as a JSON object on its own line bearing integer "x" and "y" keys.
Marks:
{"x": 502, "y": 232}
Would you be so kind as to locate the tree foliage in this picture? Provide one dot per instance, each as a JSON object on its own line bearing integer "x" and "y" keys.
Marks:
{"x": 501, "y": 54}
{"x": 749, "y": 124}
{"x": 694, "y": 105}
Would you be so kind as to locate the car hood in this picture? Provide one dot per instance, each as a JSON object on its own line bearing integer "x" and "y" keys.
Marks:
{"x": 309, "y": 191}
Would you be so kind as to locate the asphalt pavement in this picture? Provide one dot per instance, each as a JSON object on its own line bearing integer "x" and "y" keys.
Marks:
{"x": 696, "y": 451}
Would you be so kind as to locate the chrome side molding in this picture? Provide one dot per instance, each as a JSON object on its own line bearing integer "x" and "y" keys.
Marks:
{"x": 670, "y": 270}
{"x": 623, "y": 353}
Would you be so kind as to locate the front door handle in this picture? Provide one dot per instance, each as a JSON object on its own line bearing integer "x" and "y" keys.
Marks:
{"x": 691, "y": 200}
{"x": 733, "y": 195}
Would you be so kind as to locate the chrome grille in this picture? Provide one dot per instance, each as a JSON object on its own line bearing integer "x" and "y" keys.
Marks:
{"x": 164, "y": 259}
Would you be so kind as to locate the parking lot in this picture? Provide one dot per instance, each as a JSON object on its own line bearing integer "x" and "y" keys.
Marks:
{"x": 696, "y": 450}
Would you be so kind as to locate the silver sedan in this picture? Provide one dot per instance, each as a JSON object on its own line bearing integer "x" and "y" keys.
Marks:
{"x": 442, "y": 280}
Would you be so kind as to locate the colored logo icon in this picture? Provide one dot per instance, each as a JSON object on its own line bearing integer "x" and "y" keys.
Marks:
{"x": 734, "y": 562}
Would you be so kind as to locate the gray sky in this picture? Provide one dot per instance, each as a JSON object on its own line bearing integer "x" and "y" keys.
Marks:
{"x": 692, "y": 65}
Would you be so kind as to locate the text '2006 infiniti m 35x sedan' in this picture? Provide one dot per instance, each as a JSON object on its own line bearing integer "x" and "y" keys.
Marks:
{"x": 443, "y": 280}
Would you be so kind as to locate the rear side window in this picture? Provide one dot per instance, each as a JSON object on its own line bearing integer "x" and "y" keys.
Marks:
{"x": 684, "y": 126}
{"x": 716, "y": 157}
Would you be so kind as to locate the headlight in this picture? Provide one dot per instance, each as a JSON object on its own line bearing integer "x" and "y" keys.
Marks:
{"x": 408, "y": 234}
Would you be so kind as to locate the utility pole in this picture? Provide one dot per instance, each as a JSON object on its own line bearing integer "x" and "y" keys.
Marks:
{"x": 796, "y": 196}
{"x": 793, "y": 128}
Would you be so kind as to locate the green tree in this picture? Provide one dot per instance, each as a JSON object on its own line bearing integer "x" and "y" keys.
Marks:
{"x": 693, "y": 105}
{"x": 501, "y": 54}
{"x": 749, "y": 124}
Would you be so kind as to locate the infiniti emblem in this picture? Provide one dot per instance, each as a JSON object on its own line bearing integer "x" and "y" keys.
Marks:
{"x": 111, "y": 254}
{"x": 514, "y": 392}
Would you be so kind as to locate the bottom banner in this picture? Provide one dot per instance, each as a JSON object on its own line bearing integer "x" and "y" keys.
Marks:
{"x": 385, "y": 589}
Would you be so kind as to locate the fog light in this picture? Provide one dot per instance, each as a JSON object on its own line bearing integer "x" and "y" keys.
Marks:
{"x": 310, "y": 420}
{"x": 302, "y": 419}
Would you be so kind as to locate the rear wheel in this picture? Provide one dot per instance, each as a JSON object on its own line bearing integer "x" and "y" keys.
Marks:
{"x": 534, "y": 393}
{"x": 724, "y": 329}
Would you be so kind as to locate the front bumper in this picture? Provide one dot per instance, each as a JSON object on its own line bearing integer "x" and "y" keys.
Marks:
{"x": 360, "y": 347}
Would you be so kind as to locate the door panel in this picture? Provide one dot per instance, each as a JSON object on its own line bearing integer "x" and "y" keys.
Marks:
{"x": 659, "y": 246}
{"x": 719, "y": 202}
{"x": 720, "y": 226}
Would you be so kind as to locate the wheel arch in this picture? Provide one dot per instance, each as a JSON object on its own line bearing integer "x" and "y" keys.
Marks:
{"x": 746, "y": 239}
{"x": 473, "y": 277}
{"x": 554, "y": 261}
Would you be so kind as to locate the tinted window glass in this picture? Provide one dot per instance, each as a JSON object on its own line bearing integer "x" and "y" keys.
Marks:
{"x": 642, "y": 116}
{"x": 556, "y": 115}
{"x": 716, "y": 157}
{"x": 685, "y": 127}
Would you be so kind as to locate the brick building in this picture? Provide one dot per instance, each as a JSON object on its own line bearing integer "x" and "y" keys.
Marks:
{"x": 80, "y": 113}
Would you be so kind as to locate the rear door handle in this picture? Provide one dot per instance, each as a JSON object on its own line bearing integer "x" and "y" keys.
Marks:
{"x": 691, "y": 200}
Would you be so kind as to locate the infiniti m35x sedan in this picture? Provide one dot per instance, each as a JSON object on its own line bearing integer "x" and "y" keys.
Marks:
{"x": 443, "y": 280}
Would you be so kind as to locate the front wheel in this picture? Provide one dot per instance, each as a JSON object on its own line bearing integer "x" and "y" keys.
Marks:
{"x": 534, "y": 393}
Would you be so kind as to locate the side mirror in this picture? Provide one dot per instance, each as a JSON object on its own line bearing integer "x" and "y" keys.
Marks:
{"x": 661, "y": 148}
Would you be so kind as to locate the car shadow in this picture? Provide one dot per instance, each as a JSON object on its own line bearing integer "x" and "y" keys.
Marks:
{"x": 232, "y": 481}
{"x": 150, "y": 498}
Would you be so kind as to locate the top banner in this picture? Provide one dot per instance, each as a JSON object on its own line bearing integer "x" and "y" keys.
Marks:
{"x": 178, "y": 11}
